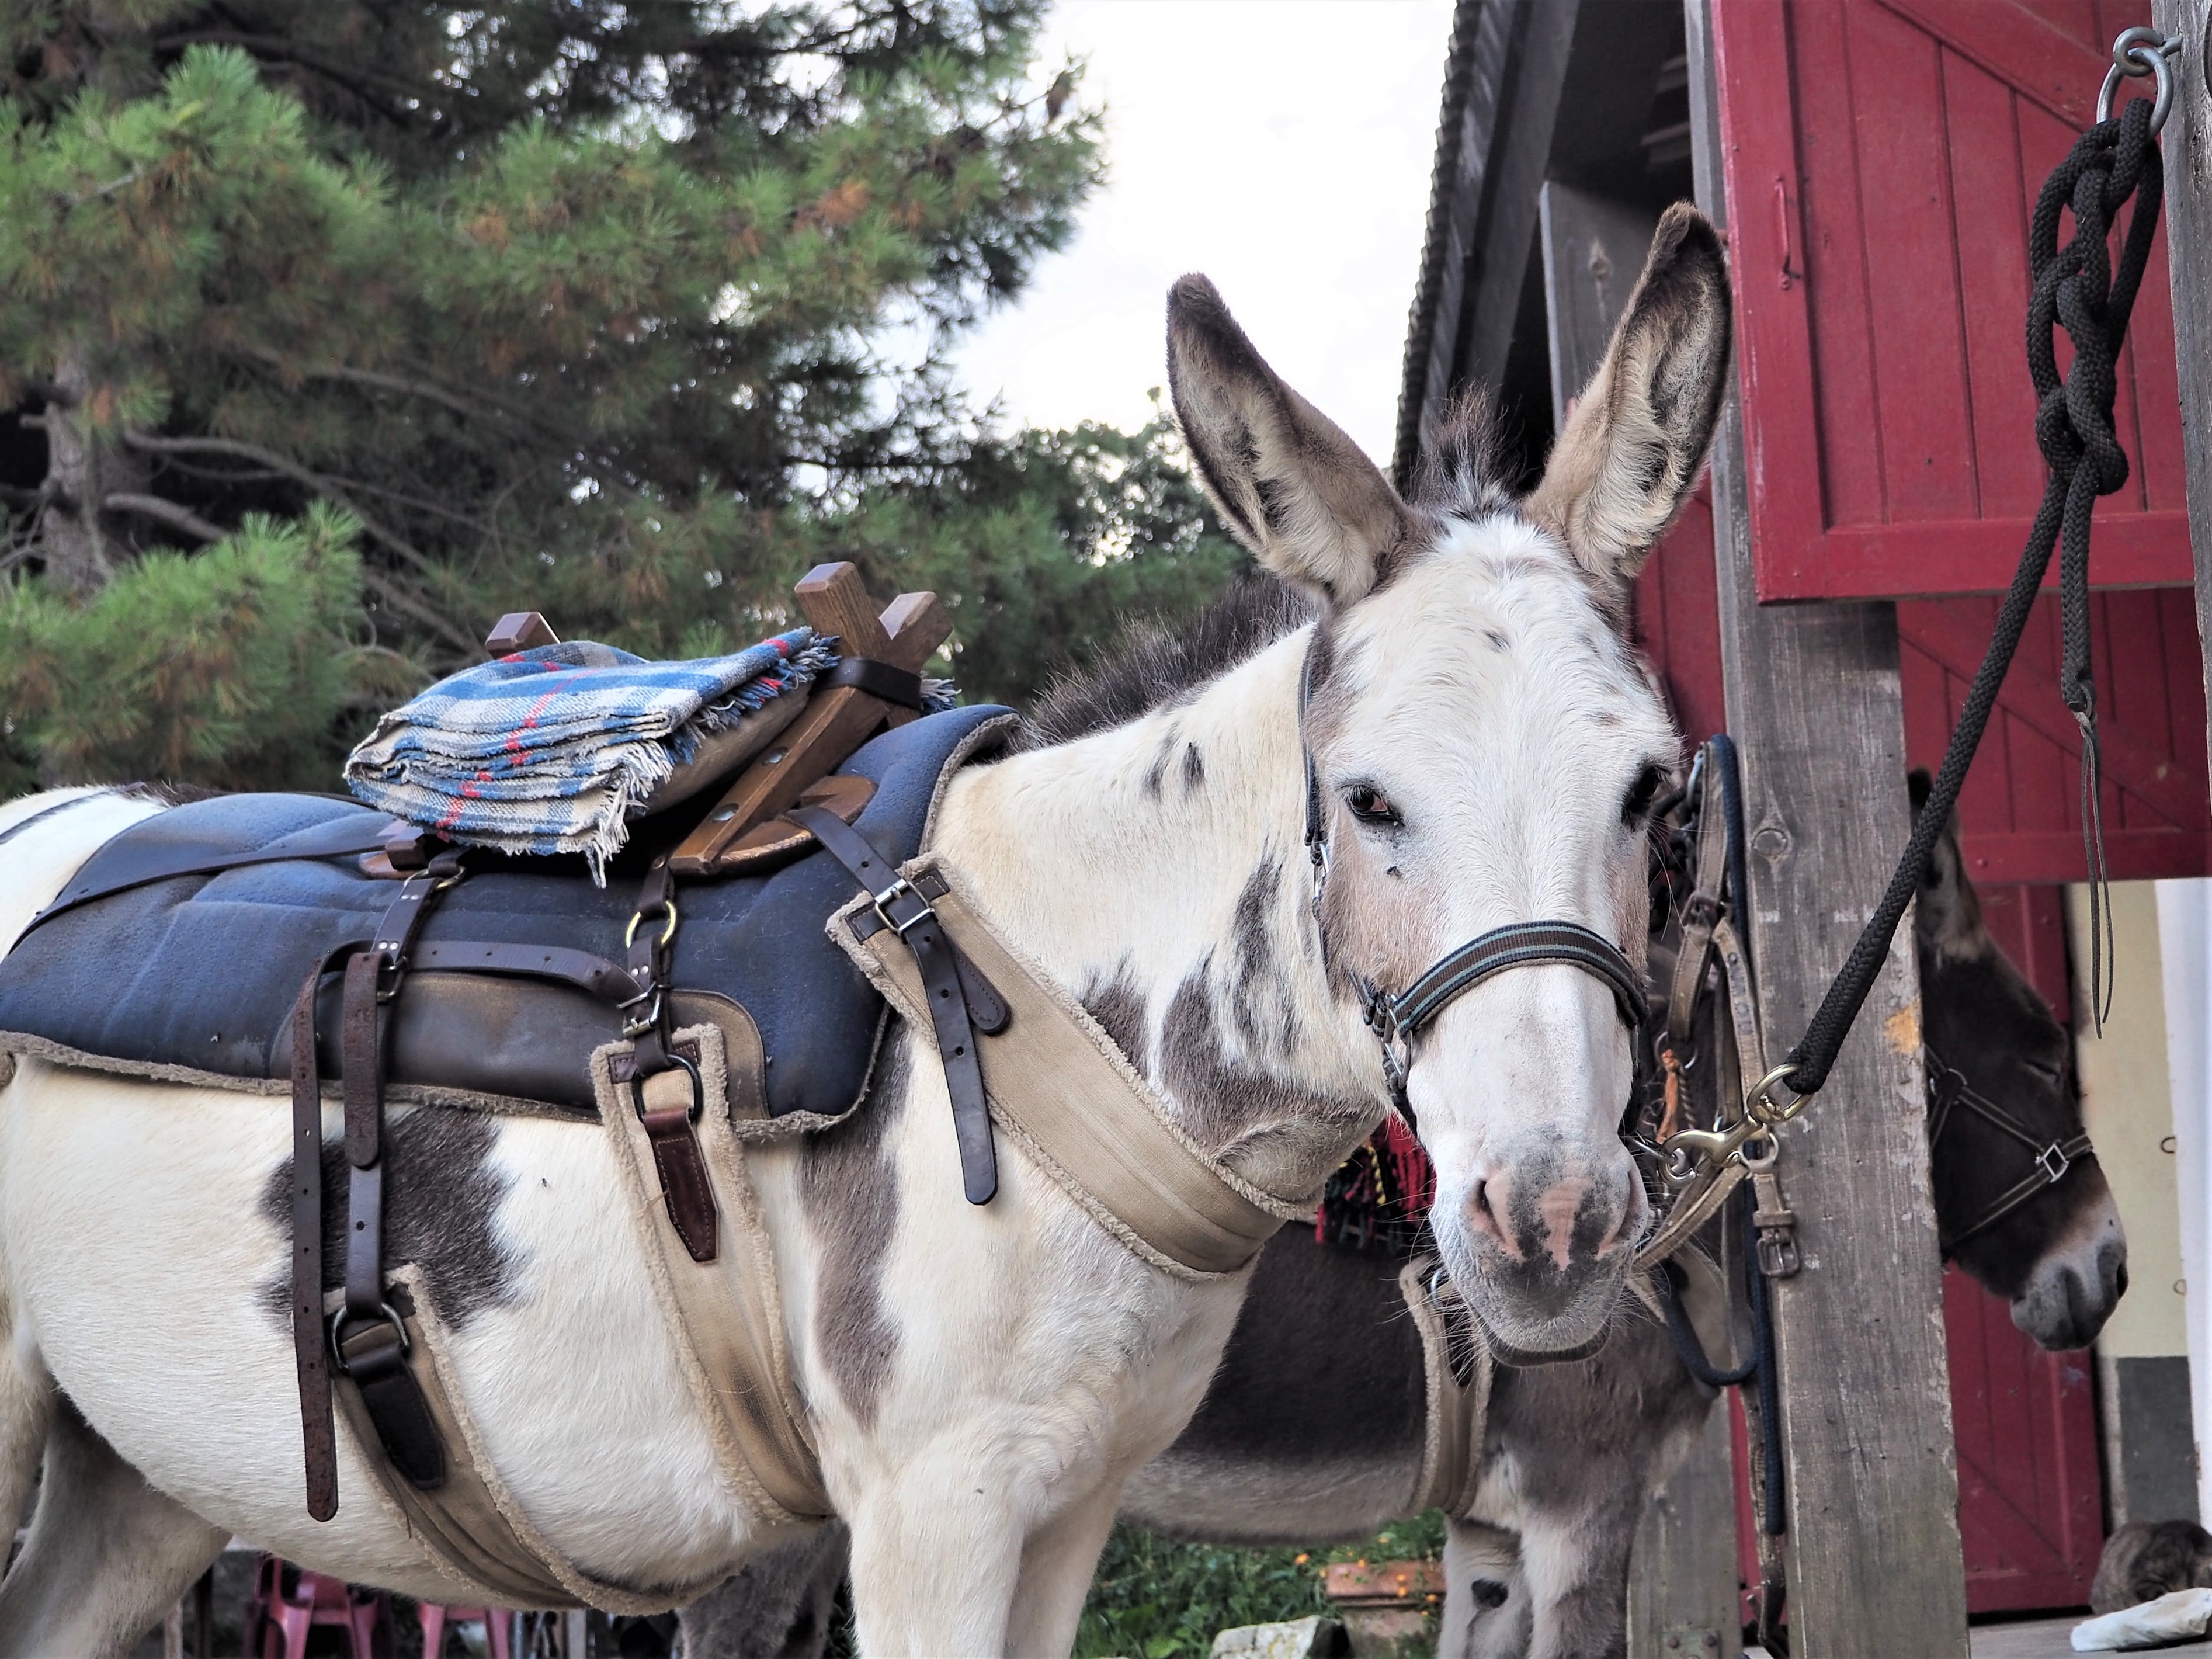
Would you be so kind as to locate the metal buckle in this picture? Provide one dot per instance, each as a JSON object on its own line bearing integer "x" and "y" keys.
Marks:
{"x": 1778, "y": 1257}
{"x": 337, "y": 1334}
{"x": 2054, "y": 1163}
{"x": 902, "y": 889}
{"x": 638, "y": 1025}
{"x": 698, "y": 1088}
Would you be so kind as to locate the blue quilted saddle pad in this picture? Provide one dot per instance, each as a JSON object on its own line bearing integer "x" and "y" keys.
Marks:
{"x": 201, "y": 971}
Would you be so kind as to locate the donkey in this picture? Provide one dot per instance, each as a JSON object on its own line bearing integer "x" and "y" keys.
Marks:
{"x": 1312, "y": 1428}
{"x": 1461, "y": 728}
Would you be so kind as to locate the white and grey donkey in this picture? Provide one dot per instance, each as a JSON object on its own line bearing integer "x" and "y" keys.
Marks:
{"x": 980, "y": 1381}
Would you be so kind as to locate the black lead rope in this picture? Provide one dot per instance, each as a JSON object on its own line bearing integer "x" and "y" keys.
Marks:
{"x": 2078, "y": 288}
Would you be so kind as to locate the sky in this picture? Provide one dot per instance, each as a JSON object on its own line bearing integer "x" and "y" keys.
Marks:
{"x": 1282, "y": 146}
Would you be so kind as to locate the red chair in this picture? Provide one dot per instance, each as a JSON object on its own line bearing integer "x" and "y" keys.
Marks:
{"x": 277, "y": 1620}
{"x": 497, "y": 1621}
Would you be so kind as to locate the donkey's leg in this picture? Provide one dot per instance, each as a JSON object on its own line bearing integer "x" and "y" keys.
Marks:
{"x": 1486, "y": 1607}
{"x": 1056, "y": 1568}
{"x": 936, "y": 1558}
{"x": 27, "y": 1403}
{"x": 1576, "y": 1562}
{"x": 107, "y": 1555}
{"x": 777, "y": 1606}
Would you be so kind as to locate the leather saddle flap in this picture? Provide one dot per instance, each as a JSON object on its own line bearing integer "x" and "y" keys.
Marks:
{"x": 200, "y": 971}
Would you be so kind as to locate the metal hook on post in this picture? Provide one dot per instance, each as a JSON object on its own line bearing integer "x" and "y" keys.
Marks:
{"x": 2137, "y": 53}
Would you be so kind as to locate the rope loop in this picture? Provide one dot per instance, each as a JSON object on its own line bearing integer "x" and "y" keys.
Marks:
{"x": 2079, "y": 288}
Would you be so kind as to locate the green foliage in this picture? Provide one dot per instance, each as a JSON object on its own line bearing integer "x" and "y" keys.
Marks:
{"x": 231, "y": 667}
{"x": 1155, "y": 1598}
{"x": 629, "y": 313}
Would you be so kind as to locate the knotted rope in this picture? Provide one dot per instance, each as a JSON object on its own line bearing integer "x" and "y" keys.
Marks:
{"x": 2078, "y": 288}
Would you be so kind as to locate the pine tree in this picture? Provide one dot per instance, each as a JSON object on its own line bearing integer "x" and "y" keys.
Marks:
{"x": 626, "y": 312}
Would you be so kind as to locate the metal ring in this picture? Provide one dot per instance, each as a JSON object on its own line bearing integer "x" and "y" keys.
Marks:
{"x": 629, "y": 936}
{"x": 1762, "y": 1105}
{"x": 698, "y": 1088}
{"x": 2137, "y": 53}
{"x": 1765, "y": 1160}
{"x": 338, "y": 1328}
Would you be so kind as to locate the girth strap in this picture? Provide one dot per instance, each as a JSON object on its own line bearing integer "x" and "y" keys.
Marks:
{"x": 367, "y": 1340}
{"x": 954, "y": 1013}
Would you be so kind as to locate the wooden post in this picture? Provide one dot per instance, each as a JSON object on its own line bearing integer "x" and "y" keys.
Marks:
{"x": 1869, "y": 1462}
{"x": 1682, "y": 1588}
{"x": 2187, "y": 141}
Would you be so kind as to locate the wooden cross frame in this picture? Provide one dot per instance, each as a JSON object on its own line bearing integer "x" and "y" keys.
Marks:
{"x": 837, "y": 719}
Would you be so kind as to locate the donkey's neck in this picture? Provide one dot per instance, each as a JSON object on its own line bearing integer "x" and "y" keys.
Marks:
{"x": 1158, "y": 871}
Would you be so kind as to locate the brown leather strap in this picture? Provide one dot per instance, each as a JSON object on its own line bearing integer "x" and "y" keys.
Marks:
{"x": 1705, "y": 906}
{"x": 878, "y": 679}
{"x": 318, "y": 1434}
{"x": 678, "y": 1161}
{"x": 606, "y": 979}
{"x": 903, "y": 909}
{"x": 372, "y": 1349}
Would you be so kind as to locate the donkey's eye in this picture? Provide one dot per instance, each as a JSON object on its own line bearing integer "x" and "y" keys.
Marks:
{"x": 1369, "y": 806}
{"x": 1641, "y": 794}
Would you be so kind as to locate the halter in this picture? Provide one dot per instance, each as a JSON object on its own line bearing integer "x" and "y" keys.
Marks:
{"x": 1397, "y": 1019}
{"x": 2051, "y": 1159}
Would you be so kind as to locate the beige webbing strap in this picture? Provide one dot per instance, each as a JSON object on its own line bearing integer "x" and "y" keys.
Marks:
{"x": 1059, "y": 1088}
{"x": 726, "y": 1314}
{"x": 470, "y": 1525}
{"x": 1451, "y": 1452}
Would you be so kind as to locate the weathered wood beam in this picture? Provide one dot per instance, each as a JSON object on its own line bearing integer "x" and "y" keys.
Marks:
{"x": 1869, "y": 1460}
{"x": 2188, "y": 144}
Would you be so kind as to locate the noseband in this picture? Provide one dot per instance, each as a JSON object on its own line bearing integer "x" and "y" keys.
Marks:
{"x": 2051, "y": 1159}
{"x": 1398, "y": 1018}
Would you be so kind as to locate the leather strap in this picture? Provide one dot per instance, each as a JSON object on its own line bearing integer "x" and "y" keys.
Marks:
{"x": 1705, "y": 906}
{"x": 605, "y": 980}
{"x": 374, "y": 1355}
{"x": 878, "y": 679}
{"x": 318, "y": 1434}
{"x": 362, "y": 834}
{"x": 678, "y": 1159}
{"x": 910, "y": 915}
{"x": 1522, "y": 945}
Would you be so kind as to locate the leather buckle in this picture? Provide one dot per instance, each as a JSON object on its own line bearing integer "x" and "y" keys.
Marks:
{"x": 337, "y": 1334}
{"x": 698, "y": 1087}
{"x": 899, "y": 892}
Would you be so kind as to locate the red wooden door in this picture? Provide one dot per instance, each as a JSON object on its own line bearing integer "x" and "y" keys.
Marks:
{"x": 1881, "y": 159}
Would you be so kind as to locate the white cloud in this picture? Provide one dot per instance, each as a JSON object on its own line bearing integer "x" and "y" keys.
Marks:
{"x": 1282, "y": 146}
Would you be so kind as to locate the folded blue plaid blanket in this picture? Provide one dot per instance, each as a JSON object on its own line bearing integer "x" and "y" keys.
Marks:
{"x": 554, "y": 749}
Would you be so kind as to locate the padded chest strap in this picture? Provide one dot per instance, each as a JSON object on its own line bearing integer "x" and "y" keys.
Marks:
{"x": 1056, "y": 1084}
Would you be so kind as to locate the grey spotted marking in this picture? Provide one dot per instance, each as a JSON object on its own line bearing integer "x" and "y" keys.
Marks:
{"x": 440, "y": 1193}
{"x": 849, "y": 1188}
{"x": 1118, "y": 1007}
{"x": 1498, "y": 641}
{"x": 1194, "y": 767}
{"x": 1253, "y": 952}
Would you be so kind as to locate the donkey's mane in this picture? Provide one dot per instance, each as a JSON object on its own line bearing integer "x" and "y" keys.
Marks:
{"x": 1155, "y": 664}
{"x": 1465, "y": 469}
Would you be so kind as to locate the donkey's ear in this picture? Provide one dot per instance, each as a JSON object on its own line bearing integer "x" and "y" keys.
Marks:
{"x": 1293, "y": 487}
{"x": 1631, "y": 451}
{"x": 1948, "y": 916}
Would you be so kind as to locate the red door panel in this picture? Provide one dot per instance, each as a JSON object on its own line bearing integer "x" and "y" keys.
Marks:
{"x": 1881, "y": 160}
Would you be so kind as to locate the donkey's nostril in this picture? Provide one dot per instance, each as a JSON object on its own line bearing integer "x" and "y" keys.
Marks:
{"x": 1484, "y": 1218}
{"x": 2119, "y": 1281}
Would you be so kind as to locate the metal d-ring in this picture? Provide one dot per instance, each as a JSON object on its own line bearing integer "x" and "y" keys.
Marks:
{"x": 337, "y": 1334}
{"x": 2137, "y": 53}
{"x": 629, "y": 934}
{"x": 698, "y": 1088}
